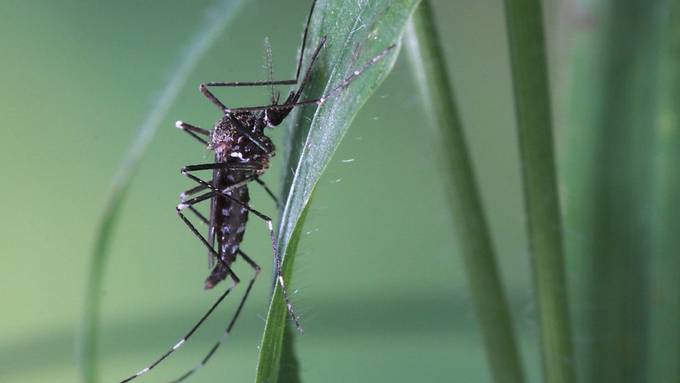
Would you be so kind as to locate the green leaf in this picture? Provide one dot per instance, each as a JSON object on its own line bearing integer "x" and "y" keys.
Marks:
{"x": 219, "y": 17}
{"x": 355, "y": 34}
{"x": 471, "y": 229}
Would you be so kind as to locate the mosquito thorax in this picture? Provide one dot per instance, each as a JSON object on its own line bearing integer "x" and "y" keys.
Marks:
{"x": 221, "y": 140}
{"x": 228, "y": 142}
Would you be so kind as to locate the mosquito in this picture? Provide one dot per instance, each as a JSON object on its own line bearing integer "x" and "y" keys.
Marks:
{"x": 242, "y": 155}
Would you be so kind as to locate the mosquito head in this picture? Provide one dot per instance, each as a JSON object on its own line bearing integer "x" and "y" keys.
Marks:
{"x": 275, "y": 115}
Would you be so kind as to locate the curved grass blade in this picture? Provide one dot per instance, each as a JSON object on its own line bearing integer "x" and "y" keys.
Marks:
{"x": 218, "y": 17}
{"x": 356, "y": 33}
{"x": 472, "y": 232}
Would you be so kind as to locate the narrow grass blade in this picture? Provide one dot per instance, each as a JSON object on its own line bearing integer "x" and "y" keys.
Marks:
{"x": 218, "y": 18}
{"x": 356, "y": 32}
{"x": 664, "y": 351}
{"x": 577, "y": 164}
{"x": 534, "y": 124}
{"x": 610, "y": 164}
{"x": 472, "y": 232}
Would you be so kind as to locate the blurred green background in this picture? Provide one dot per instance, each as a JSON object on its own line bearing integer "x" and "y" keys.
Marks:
{"x": 378, "y": 281}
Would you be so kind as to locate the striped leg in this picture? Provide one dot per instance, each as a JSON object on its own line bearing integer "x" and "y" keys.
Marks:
{"x": 293, "y": 102}
{"x": 188, "y": 204}
{"x": 183, "y": 198}
{"x": 234, "y": 278}
{"x": 193, "y": 131}
{"x": 257, "y": 171}
{"x": 188, "y": 334}
{"x": 270, "y": 228}
{"x": 230, "y": 326}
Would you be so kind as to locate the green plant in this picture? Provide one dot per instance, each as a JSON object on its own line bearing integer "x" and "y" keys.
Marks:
{"x": 618, "y": 192}
{"x": 429, "y": 67}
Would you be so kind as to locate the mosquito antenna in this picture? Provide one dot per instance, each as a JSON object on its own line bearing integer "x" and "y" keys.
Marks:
{"x": 304, "y": 41}
{"x": 270, "y": 68}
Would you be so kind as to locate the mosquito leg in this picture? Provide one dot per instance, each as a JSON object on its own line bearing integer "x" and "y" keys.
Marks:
{"x": 222, "y": 165}
{"x": 251, "y": 83}
{"x": 203, "y": 88}
{"x": 274, "y": 116}
{"x": 188, "y": 204}
{"x": 308, "y": 72}
{"x": 232, "y": 322}
{"x": 192, "y": 131}
{"x": 276, "y": 82}
{"x": 184, "y": 205}
{"x": 320, "y": 100}
{"x": 183, "y": 197}
{"x": 191, "y": 202}
{"x": 271, "y": 194}
{"x": 185, "y": 171}
{"x": 188, "y": 335}
{"x": 273, "y": 120}
{"x": 304, "y": 42}
{"x": 223, "y": 193}
{"x": 270, "y": 228}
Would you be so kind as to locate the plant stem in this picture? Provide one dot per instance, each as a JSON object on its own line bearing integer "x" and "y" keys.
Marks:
{"x": 534, "y": 124}
{"x": 316, "y": 132}
{"x": 472, "y": 231}
{"x": 664, "y": 351}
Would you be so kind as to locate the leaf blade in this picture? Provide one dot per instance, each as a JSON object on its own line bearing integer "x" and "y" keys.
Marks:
{"x": 355, "y": 33}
